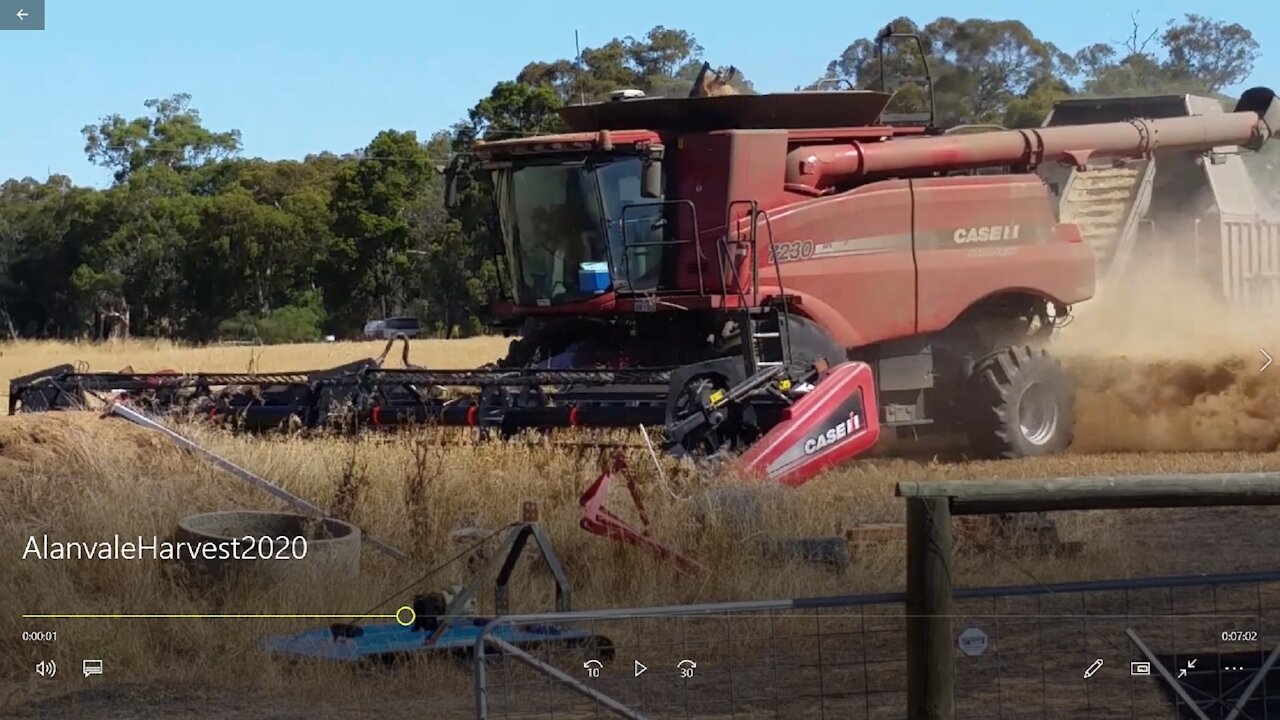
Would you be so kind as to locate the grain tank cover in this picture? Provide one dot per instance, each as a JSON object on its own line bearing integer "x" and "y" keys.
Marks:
{"x": 797, "y": 110}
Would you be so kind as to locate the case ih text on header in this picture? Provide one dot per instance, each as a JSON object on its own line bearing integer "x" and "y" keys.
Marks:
{"x": 846, "y": 428}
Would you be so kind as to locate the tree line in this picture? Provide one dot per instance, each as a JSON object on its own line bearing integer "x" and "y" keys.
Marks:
{"x": 192, "y": 240}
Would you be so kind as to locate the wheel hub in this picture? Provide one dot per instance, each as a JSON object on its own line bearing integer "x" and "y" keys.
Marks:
{"x": 1038, "y": 414}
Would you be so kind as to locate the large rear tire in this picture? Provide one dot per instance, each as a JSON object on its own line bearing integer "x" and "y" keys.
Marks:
{"x": 1022, "y": 404}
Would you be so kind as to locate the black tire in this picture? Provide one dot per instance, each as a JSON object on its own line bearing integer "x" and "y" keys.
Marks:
{"x": 1021, "y": 403}
{"x": 811, "y": 342}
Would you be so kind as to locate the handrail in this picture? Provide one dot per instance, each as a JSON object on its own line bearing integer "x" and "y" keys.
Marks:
{"x": 697, "y": 234}
{"x": 752, "y": 210}
{"x": 784, "y": 335}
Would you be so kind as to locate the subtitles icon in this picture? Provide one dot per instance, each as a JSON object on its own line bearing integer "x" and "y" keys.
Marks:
{"x": 1139, "y": 668}
{"x": 92, "y": 667}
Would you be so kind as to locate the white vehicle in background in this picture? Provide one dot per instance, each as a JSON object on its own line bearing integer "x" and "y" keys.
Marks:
{"x": 390, "y": 327}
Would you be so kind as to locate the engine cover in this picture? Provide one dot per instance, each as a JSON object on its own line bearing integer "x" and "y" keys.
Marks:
{"x": 834, "y": 422}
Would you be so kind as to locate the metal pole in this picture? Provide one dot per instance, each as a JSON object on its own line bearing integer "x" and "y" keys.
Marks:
{"x": 1252, "y": 687}
{"x": 930, "y": 669}
{"x": 480, "y": 667}
{"x": 1102, "y": 492}
{"x": 1168, "y": 677}
{"x": 563, "y": 678}
{"x": 128, "y": 413}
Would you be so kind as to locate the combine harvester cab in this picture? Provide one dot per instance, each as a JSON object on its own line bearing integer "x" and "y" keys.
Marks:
{"x": 1190, "y": 210}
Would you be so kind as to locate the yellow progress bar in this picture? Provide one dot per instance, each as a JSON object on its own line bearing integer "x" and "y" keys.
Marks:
{"x": 405, "y": 616}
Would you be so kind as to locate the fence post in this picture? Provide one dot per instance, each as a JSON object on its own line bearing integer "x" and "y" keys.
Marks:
{"x": 930, "y": 668}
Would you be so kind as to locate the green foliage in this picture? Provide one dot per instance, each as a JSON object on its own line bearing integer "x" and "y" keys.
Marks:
{"x": 663, "y": 63}
{"x": 195, "y": 241}
{"x": 998, "y": 71}
{"x": 172, "y": 136}
{"x": 289, "y": 324}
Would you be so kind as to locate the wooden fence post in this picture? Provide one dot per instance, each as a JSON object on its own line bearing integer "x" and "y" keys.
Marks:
{"x": 930, "y": 663}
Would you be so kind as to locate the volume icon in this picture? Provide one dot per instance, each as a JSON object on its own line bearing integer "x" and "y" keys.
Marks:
{"x": 46, "y": 668}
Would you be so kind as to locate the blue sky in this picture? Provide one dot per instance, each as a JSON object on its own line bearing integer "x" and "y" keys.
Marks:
{"x": 298, "y": 77}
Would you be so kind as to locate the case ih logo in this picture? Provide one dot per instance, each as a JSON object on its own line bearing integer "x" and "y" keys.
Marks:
{"x": 989, "y": 233}
{"x": 833, "y": 434}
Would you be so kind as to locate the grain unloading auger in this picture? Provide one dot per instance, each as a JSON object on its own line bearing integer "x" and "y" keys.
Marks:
{"x": 857, "y": 274}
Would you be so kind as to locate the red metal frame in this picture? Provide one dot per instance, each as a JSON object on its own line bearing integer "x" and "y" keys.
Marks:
{"x": 598, "y": 520}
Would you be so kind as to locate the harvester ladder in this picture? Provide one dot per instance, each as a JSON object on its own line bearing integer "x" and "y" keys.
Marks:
{"x": 767, "y": 335}
{"x": 765, "y": 341}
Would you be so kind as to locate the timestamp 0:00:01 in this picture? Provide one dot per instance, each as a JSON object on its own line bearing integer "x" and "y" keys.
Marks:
{"x": 1239, "y": 636}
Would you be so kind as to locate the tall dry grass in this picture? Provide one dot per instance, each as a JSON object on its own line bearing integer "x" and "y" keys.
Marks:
{"x": 78, "y": 477}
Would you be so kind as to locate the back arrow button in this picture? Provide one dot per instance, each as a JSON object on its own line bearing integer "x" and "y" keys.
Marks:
{"x": 1266, "y": 355}
{"x": 640, "y": 668}
{"x": 22, "y": 14}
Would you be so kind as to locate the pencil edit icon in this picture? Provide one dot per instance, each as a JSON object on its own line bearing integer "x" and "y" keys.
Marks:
{"x": 1097, "y": 665}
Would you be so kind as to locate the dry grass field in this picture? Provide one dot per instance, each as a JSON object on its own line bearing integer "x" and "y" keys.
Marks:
{"x": 1191, "y": 402}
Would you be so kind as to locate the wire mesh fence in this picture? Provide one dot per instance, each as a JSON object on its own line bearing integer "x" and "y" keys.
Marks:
{"x": 1095, "y": 650}
{"x": 830, "y": 657}
{"x": 1019, "y": 652}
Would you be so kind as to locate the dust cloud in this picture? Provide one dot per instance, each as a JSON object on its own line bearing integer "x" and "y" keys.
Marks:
{"x": 1162, "y": 364}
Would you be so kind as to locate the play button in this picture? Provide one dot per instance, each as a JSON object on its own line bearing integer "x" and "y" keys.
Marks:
{"x": 640, "y": 668}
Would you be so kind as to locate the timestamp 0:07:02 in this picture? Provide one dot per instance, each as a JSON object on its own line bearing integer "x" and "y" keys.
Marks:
{"x": 1239, "y": 636}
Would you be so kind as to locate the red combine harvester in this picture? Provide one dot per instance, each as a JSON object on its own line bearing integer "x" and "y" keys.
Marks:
{"x": 780, "y": 274}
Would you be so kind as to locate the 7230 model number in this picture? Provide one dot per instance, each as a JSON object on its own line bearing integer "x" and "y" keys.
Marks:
{"x": 790, "y": 251}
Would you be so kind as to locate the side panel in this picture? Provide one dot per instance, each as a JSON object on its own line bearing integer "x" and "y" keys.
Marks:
{"x": 756, "y": 173}
{"x": 703, "y": 181}
{"x": 1251, "y": 263}
{"x": 715, "y": 170}
{"x": 980, "y": 236}
{"x": 851, "y": 252}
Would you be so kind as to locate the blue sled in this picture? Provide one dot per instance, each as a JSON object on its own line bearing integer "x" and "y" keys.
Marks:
{"x": 389, "y": 641}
